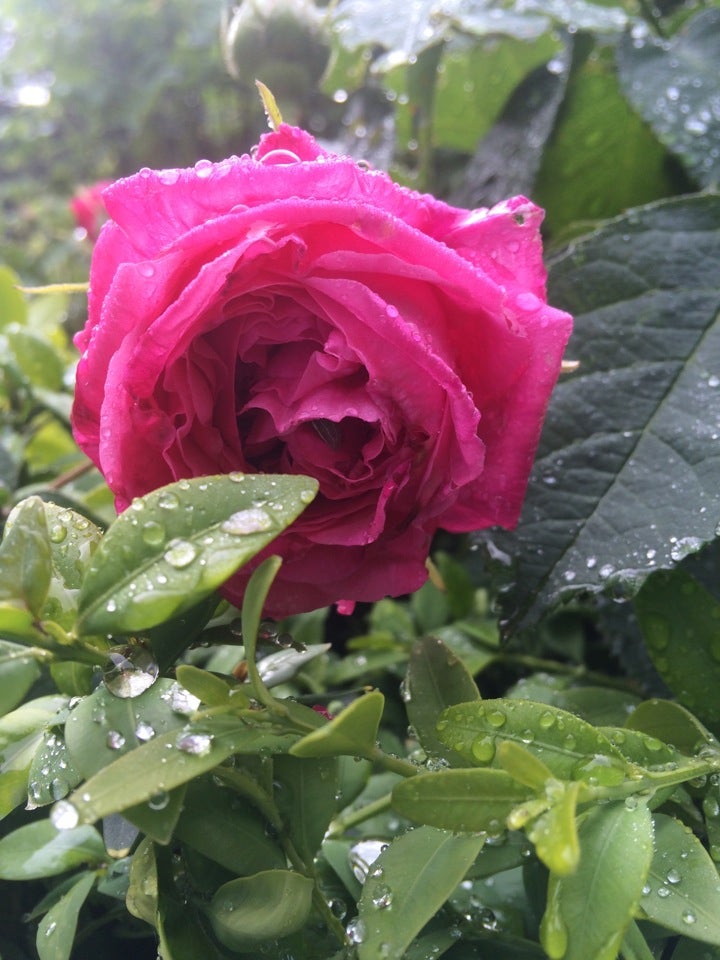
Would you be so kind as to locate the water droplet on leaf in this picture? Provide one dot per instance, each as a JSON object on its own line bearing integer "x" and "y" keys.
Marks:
{"x": 130, "y": 670}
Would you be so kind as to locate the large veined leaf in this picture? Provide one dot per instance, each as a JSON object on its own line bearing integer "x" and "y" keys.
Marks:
{"x": 627, "y": 478}
{"x": 675, "y": 85}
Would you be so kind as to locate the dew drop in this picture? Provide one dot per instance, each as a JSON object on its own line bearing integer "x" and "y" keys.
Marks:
{"x": 483, "y": 749}
{"x": 663, "y": 892}
{"x": 355, "y": 931}
{"x": 688, "y": 917}
{"x": 153, "y": 533}
{"x": 363, "y": 855}
{"x": 673, "y": 876}
{"x": 181, "y": 700}
{"x": 252, "y": 520}
{"x": 57, "y": 532}
{"x": 144, "y": 732}
{"x": 236, "y": 476}
{"x": 307, "y": 496}
{"x": 197, "y": 744}
{"x": 159, "y": 801}
{"x": 130, "y": 670}
{"x": 496, "y": 718}
{"x": 168, "y": 501}
{"x": 180, "y": 554}
{"x": 146, "y": 270}
{"x": 64, "y": 815}
{"x": 115, "y": 740}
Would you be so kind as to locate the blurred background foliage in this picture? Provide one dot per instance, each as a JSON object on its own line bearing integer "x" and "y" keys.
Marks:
{"x": 591, "y": 107}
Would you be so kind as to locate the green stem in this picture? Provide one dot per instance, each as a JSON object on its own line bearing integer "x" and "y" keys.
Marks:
{"x": 422, "y": 83}
{"x": 577, "y": 671}
{"x": 342, "y": 824}
{"x": 392, "y": 764}
{"x": 652, "y": 781}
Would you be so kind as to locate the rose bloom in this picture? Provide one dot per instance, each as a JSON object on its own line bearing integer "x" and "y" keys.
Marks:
{"x": 88, "y": 208}
{"x": 291, "y": 312}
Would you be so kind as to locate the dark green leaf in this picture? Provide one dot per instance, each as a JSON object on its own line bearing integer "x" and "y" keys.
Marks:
{"x": 142, "y": 895}
{"x": 25, "y": 556}
{"x": 436, "y": 679}
{"x": 39, "y": 850}
{"x": 245, "y": 913}
{"x": 306, "y": 797}
{"x": 158, "y": 817}
{"x": 215, "y": 822}
{"x": 569, "y": 746}
{"x": 675, "y": 86}
{"x": 463, "y": 800}
{"x": 56, "y": 931}
{"x": 626, "y": 481}
{"x": 409, "y": 883}
{"x": 678, "y": 618}
{"x": 173, "y": 547}
{"x": 682, "y": 891}
{"x": 588, "y": 911}
{"x": 351, "y": 733}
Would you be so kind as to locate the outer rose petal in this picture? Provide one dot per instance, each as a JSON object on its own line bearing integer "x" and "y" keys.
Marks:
{"x": 290, "y": 312}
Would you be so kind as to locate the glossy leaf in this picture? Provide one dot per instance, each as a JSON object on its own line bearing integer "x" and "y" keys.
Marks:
{"x": 306, "y": 796}
{"x": 207, "y": 687}
{"x": 626, "y": 481}
{"x": 673, "y": 724}
{"x": 169, "y": 760}
{"x": 677, "y": 617}
{"x": 466, "y": 801}
{"x": 158, "y": 817}
{"x": 245, "y": 913}
{"x": 176, "y": 545}
{"x": 682, "y": 891}
{"x": 215, "y": 822}
{"x": 25, "y": 556}
{"x": 18, "y": 671}
{"x": 351, "y": 733}
{"x": 52, "y": 772}
{"x": 56, "y": 930}
{"x": 21, "y": 731}
{"x": 674, "y": 85}
{"x": 567, "y": 745}
{"x": 142, "y": 895}
{"x": 73, "y": 540}
{"x": 436, "y": 678}
{"x": 587, "y": 912}
{"x": 409, "y": 883}
{"x": 39, "y": 850}
{"x": 522, "y": 765}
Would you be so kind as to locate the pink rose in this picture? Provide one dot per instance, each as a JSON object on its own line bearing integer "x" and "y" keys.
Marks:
{"x": 88, "y": 208}
{"x": 292, "y": 312}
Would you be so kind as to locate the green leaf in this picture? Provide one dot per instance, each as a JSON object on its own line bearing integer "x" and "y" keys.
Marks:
{"x": 683, "y": 893}
{"x": 246, "y": 912}
{"x": 207, "y": 687}
{"x": 570, "y": 747}
{"x": 25, "y": 556}
{"x": 21, "y": 731}
{"x": 674, "y": 85}
{"x": 351, "y": 733}
{"x": 13, "y": 307}
{"x": 436, "y": 679}
{"x": 467, "y": 801}
{"x": 52, "y": 772}
{"x": 13, "y": 789}
{"x": 56, "y": 931}
{"x": 176, "y": 545}
{"x": 142, "y": 895}
{"x": 677, "y": 617}
{"x": 73, "y": 540}
{"x": 409, "y": 883}
{"x": 522, "y": 765}
{"x": 216, "y": 824}
{"x": 306, "y": 796}
{"x": 18, "y": 672}
{"x": 36, "y": 357}
{"x": 672, "y": 724}
{"x": 626, "y": 481}
{"x": 554, "y": 833}
{"x": 39, "y": 850}
{"x": 588, "y": 911}
{"x": 181, "y": 932}
{"x": 169, "y": 760}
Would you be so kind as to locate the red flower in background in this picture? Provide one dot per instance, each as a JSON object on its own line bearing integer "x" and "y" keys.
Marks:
{"x": 88, "y": 208}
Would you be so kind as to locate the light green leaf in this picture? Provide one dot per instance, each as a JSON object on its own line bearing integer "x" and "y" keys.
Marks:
{"x": 176, "y": 545}
{"x": 678, "y": 619}
{"x": 522, "y": 765}
{"x": 436, "y": 679}
{"x": 13, "y": 307}
{"x": 52, "y": 772}
{"x": 18, "y": 672}
{"x": 467, "y": 801}
{"x": 626, "y": 480}
{"x": 674, "y": 84}
{"x": 21, "y": 731}
{"x": 39, "y": 850}
{"x": 351, "y": 733}
{"x": 683, "y": 893}
{"x": 554, "y": 833}
{"x": 25, "y": 556}
{"x": 409, "y": 883}
{"x": 247, "y": 912}
{"x": 588, "y": 911}
{"x": 56, "y": 931}
{"x": 169, "y": 760}
{"x": 207, "y": 687}
{"x": 567, "y": 745}
{"x": 216, "y": 824}
{"x": 36, "y": 357}
{"x": 142, "y": 895}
